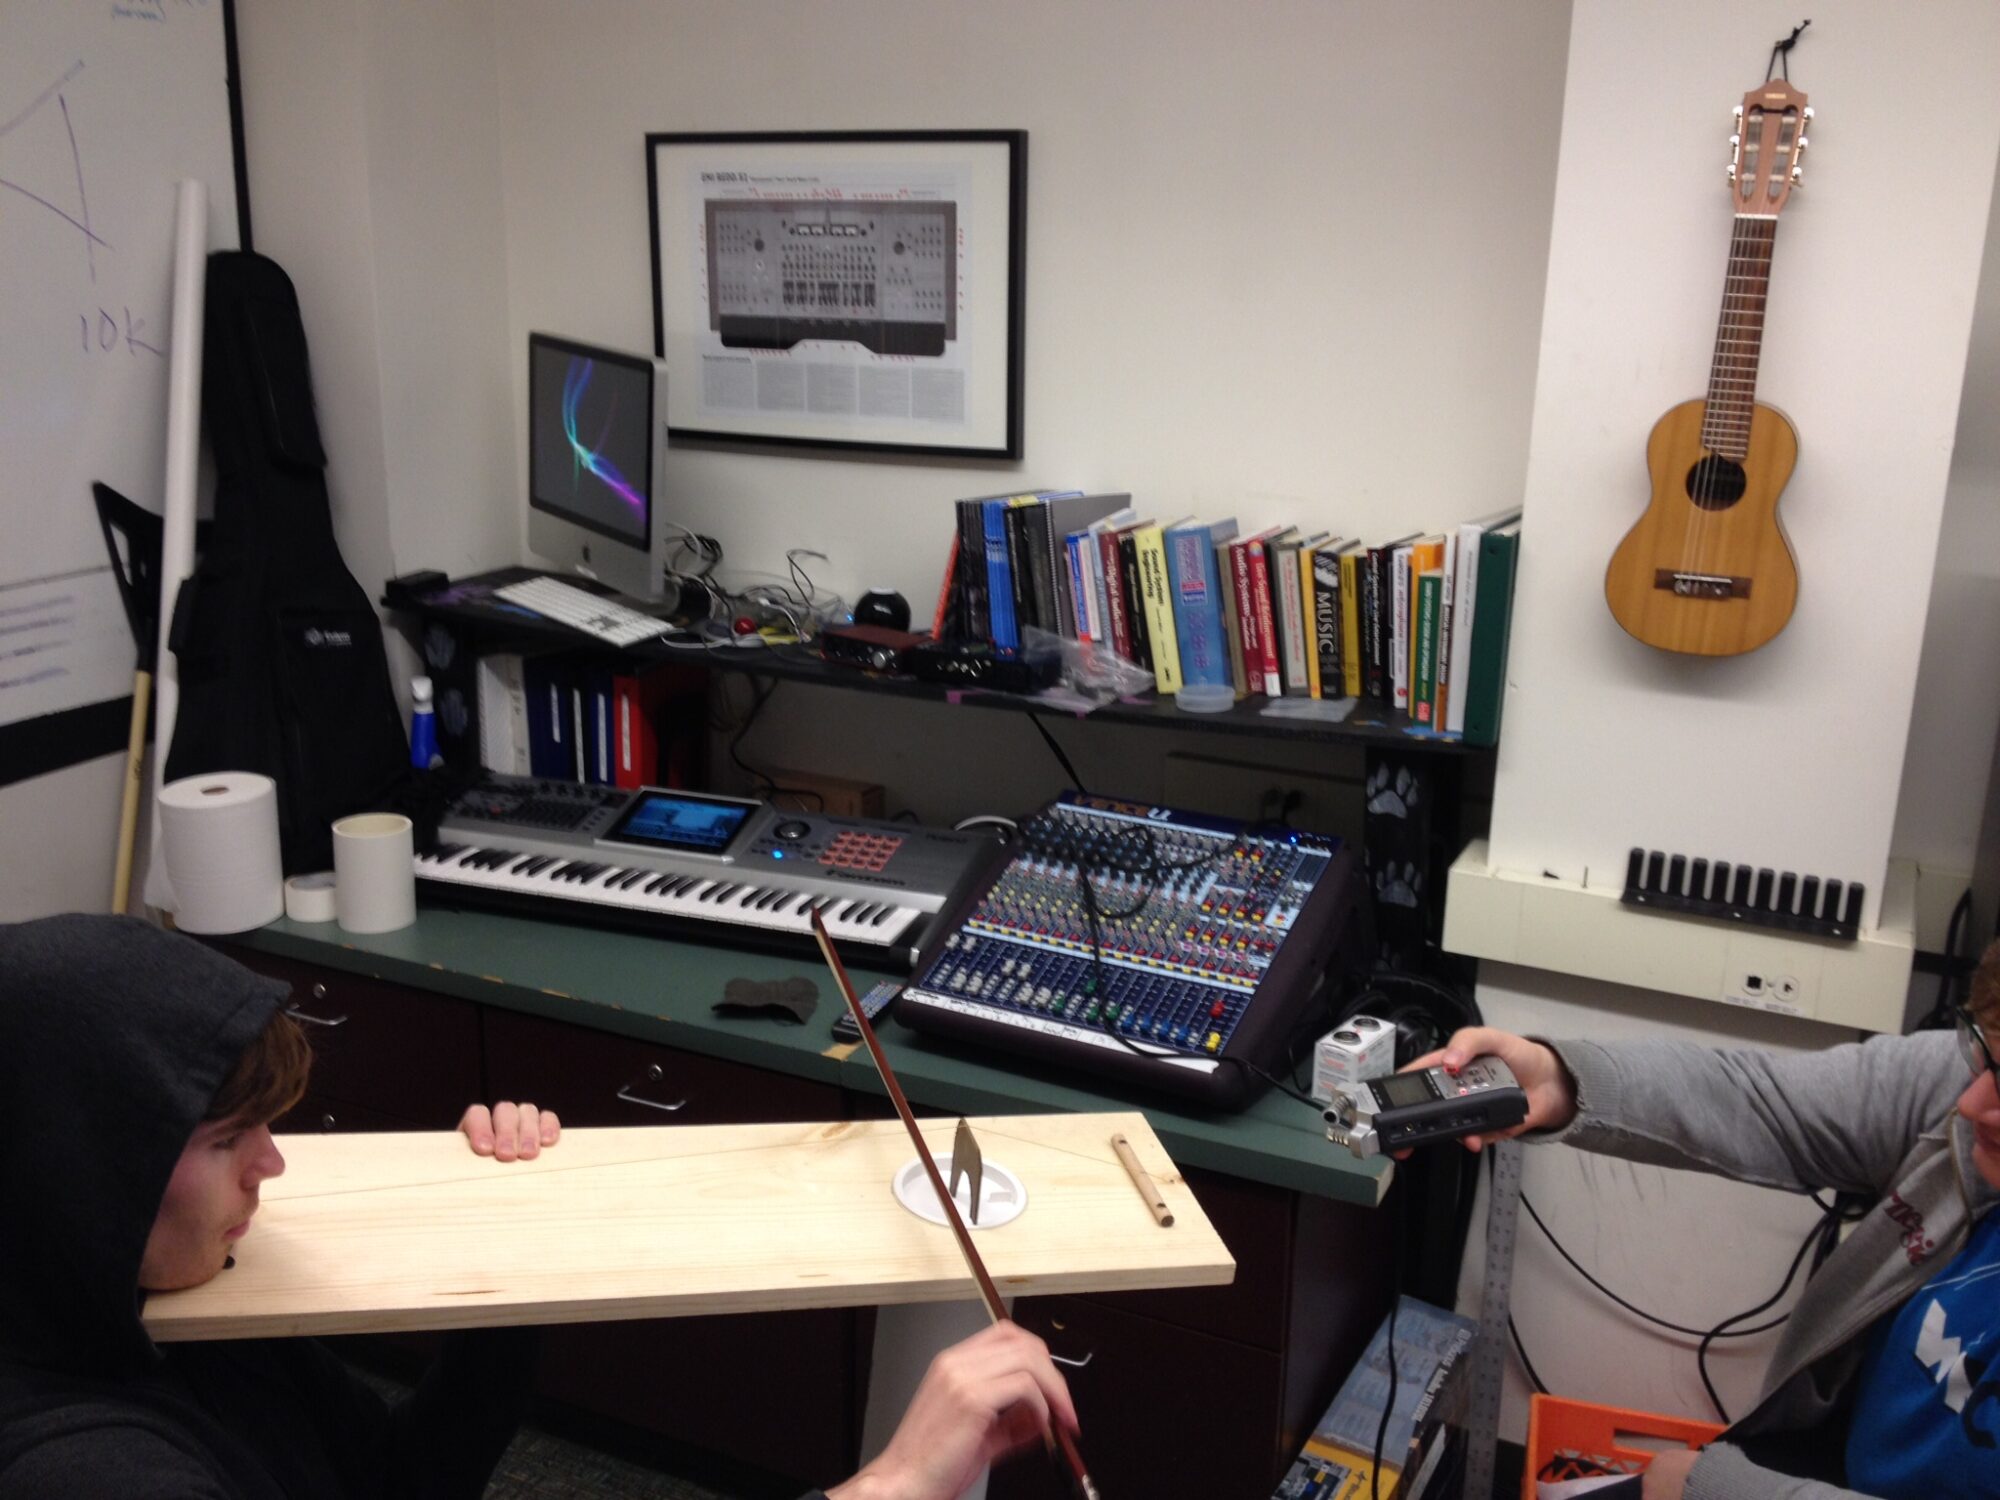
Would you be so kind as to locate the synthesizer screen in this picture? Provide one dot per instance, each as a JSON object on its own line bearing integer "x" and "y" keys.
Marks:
{"x": 1167, "y": 948}
{"x": 881, "y": 275}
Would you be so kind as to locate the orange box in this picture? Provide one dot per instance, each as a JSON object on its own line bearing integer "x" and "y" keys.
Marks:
{"x": 1609, "y": 1434}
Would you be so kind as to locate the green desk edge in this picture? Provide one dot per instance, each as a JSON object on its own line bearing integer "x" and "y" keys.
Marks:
{"x": 663, "y": 990}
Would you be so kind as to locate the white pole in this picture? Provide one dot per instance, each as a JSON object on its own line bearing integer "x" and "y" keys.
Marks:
{"x": 183, "y": 454}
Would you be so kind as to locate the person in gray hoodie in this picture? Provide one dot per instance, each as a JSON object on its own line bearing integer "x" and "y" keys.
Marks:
{"x": 1886, "y": 1381}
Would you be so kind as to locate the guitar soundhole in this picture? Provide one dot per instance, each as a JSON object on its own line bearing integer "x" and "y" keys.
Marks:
{"x": 1716, "y": 483}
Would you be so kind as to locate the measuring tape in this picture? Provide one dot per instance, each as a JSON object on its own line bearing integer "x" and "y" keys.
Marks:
{"x": 1489, "y": 1353}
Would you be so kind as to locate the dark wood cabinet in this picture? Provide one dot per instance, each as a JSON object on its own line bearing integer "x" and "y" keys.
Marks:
{"x": 1212, "y": 1391}
{"x": 1207, "y": 1391}
{"x": 782, "y": 1391}
{"x": 385, "y": 1056}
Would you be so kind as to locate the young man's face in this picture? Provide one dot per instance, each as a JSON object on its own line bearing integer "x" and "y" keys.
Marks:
{"x": 1979, "y": 1106}
{"x": 208, "y": 1203}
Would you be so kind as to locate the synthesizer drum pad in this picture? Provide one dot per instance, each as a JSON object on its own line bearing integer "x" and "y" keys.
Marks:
{"x": 1170, "y": 949}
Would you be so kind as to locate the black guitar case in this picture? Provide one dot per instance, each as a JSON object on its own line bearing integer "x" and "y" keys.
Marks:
{"x": 281, "y": 661}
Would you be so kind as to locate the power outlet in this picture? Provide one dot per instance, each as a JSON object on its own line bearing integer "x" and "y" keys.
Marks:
{"x": 1763, "y": 989}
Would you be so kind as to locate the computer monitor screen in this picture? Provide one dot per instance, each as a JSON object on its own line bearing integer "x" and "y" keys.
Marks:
{"x": 594, "y": 445}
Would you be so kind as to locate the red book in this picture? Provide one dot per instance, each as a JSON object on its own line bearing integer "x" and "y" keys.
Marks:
{"x": 1114, "y": 592}
{"x": 1246, "y": 617}
{"x": 1267, "y": 617}
{"x": 941, "y": 621}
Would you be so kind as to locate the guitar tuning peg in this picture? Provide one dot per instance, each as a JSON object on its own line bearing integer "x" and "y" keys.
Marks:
{"x": 1798, "y": 176}
{"x": 1737, "y": 112}
{"x": 1808, "y": 112}
{"x": 1736, "y": 140}
{"x": 1803, "y": 143}
{"x": 1730, "y": 171}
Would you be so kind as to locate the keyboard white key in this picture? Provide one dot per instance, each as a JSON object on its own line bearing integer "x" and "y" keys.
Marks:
{"x": 611, "y": 622}
{"x": 724, "y": 900}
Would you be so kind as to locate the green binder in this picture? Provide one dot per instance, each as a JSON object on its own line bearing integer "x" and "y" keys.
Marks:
{"x": 1486, "y": 674}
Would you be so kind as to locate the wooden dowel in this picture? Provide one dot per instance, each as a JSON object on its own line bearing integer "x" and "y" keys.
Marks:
{"x": 1143, "y": 1181}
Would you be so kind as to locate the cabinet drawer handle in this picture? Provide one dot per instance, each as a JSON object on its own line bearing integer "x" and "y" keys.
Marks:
{"x": 653, "y": 1075}
{"x": 326, "y": 1122}
{"x": 312, "y": 1020}
{"x": 1074, "y": 1364}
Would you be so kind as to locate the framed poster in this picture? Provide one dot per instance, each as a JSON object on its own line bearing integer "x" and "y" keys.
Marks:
{"x": 851, "y": 289}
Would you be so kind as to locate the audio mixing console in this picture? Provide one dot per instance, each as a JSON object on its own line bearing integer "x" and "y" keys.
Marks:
{"x": 1167, "y": 948}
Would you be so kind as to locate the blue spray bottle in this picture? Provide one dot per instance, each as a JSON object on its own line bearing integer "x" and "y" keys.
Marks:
{"x": 423, "y": 726}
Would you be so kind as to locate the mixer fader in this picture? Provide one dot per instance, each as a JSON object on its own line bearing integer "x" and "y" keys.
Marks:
{"x": 1141, "y": 942}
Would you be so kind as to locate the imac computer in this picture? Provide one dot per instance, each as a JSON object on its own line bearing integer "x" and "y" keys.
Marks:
{"x": 597, "y": 443}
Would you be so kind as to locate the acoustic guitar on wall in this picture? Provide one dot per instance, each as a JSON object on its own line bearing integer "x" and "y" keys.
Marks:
{"x": 1707, "y": 570}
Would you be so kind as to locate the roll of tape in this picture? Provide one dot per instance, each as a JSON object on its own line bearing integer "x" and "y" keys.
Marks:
{"x": 309, "y": 898}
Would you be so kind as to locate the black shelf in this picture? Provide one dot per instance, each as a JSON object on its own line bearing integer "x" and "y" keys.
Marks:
{"x": 467, "y": 604}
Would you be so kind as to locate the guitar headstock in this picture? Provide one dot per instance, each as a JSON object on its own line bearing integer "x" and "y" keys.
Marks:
{"x": 1769, "y": 139}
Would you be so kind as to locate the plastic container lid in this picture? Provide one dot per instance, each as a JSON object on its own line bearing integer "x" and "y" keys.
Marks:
{"x": 1205, "y": 698}
{"x": 420, "y": 690}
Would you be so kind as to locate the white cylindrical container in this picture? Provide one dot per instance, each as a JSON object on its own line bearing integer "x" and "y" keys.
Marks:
{"x": 219, "y": 837}
{"x": 374, "y": 879}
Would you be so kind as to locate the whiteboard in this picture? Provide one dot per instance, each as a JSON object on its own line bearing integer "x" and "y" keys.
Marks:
{"x": 105, "y": 105}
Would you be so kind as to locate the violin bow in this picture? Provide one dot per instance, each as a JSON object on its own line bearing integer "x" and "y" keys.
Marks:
{"x": 988, "y": 1293}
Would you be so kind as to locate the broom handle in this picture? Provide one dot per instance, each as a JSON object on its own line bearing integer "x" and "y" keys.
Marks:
{"x": 135, "y": 775}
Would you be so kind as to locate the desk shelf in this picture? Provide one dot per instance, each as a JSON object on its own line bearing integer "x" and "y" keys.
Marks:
{"x": 464, "y": 611}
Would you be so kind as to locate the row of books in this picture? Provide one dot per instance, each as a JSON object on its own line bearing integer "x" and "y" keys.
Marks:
{"x": 573, "y": 716}
{"x": 1419, "y": 623}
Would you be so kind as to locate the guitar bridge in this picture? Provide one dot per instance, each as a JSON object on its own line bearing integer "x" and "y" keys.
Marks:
{"x": 1685, "y": 585}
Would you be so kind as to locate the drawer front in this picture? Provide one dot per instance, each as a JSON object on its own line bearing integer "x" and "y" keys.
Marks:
{"x": 322, "y": 1114}
{"x": 774, "y": 1390}
{"x": 1164, "y": 1410}
{"x": 396, "y": 1051}
{"x": 1255, "y": 1222}
{"x": 593, "y": 1078}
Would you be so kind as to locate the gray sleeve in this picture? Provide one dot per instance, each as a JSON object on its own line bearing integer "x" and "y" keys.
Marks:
{"x": 1843, "y": 1118}
{"x": 1723, "y": 1473}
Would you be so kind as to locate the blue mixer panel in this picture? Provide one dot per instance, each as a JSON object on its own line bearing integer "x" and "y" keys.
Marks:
{"x": 1195, "y": 940}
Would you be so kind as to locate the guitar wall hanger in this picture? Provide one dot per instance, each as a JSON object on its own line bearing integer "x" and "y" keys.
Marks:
{"x": 1753, "y": 896}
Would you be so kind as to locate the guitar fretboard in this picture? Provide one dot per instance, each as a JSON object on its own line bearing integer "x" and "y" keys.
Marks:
{"x": 1739, "y": 338}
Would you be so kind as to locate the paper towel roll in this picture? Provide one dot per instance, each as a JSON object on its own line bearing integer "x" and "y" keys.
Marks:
{"x": 220, "y": 838}
{"x": 309, "y": 898}
{"x": 375, "y": 883}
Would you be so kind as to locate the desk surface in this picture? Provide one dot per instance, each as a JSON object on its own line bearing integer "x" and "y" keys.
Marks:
{"x": 663, "y": 991}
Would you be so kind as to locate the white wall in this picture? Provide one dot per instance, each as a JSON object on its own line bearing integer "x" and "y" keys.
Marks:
{"x": 1793, "y": 755}
{"x": 1790, "y": 756}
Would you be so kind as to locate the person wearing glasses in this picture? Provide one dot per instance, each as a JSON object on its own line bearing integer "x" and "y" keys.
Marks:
{"x": 1886, "y": 1381}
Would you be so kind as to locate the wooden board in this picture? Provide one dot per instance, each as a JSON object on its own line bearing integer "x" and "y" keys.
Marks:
{"x": 371, "y": 1233}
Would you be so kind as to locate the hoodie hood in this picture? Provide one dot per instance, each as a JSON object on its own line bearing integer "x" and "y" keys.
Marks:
{"x": 114, "y": 1038}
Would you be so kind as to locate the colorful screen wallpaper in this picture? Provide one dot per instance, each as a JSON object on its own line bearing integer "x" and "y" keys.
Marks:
{"x": 590, "y": 450}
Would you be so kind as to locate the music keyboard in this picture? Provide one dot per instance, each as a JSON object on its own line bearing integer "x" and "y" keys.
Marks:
{"x": 715, "y": 869}
{"x": 757, "y": 908}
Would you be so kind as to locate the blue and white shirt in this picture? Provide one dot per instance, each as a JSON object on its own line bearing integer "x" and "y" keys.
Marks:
{"x": 1926, "y": 1423}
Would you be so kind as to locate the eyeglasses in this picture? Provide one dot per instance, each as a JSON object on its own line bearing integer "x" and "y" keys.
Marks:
{"x": 1972, "y": 1043}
